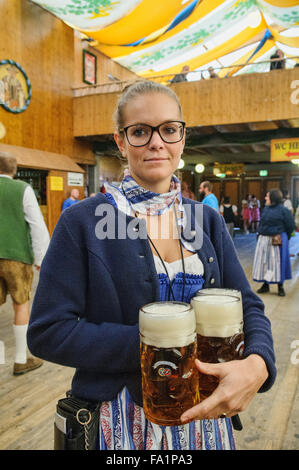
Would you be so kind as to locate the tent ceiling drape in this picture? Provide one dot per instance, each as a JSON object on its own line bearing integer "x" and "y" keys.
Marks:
{"x": 154, "y": 37}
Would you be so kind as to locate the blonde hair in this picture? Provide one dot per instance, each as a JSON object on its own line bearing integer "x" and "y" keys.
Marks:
{"x": 140, "y": 88}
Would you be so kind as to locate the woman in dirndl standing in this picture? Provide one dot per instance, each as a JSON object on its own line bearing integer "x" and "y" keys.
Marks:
{"x": 85, "y": 312}
{"x": 271, "y": 263}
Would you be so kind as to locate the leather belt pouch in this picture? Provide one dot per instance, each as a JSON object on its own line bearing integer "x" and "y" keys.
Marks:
{"x": 76, "y": 425}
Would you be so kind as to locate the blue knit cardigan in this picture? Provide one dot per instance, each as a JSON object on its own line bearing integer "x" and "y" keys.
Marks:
{"x": 85, "y": 310}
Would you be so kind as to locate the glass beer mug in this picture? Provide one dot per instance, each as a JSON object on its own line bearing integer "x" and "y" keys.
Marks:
{"x": 219, "y": 327}
{"x": 168, "y": 350}
{"x": 219, "y": 291}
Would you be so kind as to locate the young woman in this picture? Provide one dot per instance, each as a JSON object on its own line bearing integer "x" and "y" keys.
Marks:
{"x": 271, "y": 263}
{"x": 85, "y": 312}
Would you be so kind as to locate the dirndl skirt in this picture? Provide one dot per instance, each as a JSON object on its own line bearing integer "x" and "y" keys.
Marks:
{"x": 271, "y": 263}
{"x": 123, "y": 426}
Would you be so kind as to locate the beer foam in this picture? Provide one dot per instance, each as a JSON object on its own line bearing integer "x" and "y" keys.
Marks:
{"x": 167, "y": 324}
{"x": 217, "y": 315}
{"x": 220, "y": 291}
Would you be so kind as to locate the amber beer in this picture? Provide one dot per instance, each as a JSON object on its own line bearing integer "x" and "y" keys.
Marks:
{"x": 220, "y": 338}
{"x": 168, "y": 349}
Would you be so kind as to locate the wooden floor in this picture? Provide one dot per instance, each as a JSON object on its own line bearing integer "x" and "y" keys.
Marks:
{"x": 27, "y": 403}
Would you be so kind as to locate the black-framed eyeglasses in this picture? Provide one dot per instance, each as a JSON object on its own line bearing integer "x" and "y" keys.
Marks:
{"x": 139, "y": 135}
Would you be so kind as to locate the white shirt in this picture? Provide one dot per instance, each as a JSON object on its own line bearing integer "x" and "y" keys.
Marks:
{"x": 38, "y": 229}
{"x": 288, "y": 204}
{"x": 193, "y": 265}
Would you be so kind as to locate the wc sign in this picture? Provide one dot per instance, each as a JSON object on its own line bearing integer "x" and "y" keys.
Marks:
{"x": 284, "y": 150}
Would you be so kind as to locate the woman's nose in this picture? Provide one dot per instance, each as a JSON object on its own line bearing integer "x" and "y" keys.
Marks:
{"x": 156, "y": 140}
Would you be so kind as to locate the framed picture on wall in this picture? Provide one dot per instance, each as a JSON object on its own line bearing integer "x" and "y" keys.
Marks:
{"x": 15, "y": 87}
{"x": 89, "y": 68}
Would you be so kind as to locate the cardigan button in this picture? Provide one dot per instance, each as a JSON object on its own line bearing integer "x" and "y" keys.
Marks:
{"x": 211, "y": 259}
{"x": 212, "y": 281}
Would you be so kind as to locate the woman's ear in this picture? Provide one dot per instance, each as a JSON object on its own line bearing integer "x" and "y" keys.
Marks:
{"x": 120, "y": 142}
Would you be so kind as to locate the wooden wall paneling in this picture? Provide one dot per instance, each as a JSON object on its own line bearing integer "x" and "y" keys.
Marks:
{"x": 244, "y": 98}
{"x": 55, "y": 198}
{"x": 83, "y": 152}
{"x": 94, "y": 114}
{"x": 217, "y": 190}
{"x": 273, "y": 183}
{"x": 241, "y": 99}
{"x": 255, "y": 187}
{"x": 105, "y": 65}
{"x": 44, "y": 46}
{"x": 231, "y": 189}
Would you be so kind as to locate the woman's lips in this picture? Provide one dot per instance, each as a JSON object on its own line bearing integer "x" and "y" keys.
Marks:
{"x": 156, "y": 159}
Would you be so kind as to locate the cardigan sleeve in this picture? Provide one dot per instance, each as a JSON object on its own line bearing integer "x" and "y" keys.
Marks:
{"x": 58, "y": 331}
{"x": 257, "y": 327}
{"x": 288, "y": 221}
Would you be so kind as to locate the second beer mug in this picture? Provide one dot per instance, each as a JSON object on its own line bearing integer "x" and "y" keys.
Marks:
{"x": 219, "y": 327}
{"x": 168, "y": 350}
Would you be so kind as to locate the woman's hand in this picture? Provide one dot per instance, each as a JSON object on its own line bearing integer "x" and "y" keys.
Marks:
{"x": 239, "y": 381}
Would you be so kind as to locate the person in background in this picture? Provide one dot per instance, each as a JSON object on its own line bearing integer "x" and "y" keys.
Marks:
{"x": 287, "y": 201}
{"x": 181, "y": 77}
{"x": 249, "y": 199}
{"x": 24, "y": 239}
{"x": 85, "y": 312}
{"x": 276, "y": 64}
{"x": 186, "y": 191}
{"x": 246, "y": 216}
{"x": 229, "y": 212}
{"x": 206, "y": 195}
{"x": 74, "y": 197}
{"x": 212, "y": 73}
{"x": 297, "y": 219}
{"x": 255, "y": 200}
{"x": 271, "y": 263}
{"x": 254, "y": 214}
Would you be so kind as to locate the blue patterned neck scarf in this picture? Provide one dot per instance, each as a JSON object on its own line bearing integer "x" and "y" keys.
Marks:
{"x": 129, "y": 196}
{"x": 143, "y": 201}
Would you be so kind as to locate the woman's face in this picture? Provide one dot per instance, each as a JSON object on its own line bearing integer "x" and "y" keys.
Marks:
{"x": 267, "y": 199}
{"x": 153, "y": 164}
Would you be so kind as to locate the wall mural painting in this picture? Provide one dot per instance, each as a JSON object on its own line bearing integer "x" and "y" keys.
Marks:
{"x": 15, "y": 87}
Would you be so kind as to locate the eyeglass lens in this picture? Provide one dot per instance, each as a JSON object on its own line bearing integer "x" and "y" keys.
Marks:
{"x": 140, "y": 134}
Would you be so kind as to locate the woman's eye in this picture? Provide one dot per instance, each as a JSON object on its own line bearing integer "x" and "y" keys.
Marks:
{"x": 139, "y": 132}
{"x": 170, "y": 130}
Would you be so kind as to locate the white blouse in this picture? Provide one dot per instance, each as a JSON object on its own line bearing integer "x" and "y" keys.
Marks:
{"x": 193, "y": 265}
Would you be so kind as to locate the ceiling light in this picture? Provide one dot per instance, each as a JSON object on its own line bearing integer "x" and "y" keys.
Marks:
{"x": 199, "y": 168}
{"x": 181, "y": 164}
